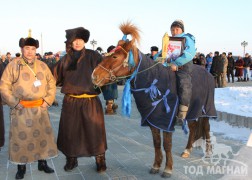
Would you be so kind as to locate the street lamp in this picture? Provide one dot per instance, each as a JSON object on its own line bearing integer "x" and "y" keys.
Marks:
{"x": 93, "y": 43}
{"x": 244, "y": 44}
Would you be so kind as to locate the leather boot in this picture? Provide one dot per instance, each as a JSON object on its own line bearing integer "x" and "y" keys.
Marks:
{"x": 115, "y": 106}
{"x": 42, "y": 166}
{"x": 21, "y": 171}
{"x": 181, "y": 114}
{"x": 100, "y": 163}
{"x": 109, "y": 107}
{"x": 71, "y": 163}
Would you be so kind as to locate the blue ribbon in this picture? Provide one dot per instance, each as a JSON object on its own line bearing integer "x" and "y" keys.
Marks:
{"x": 131, "y": 59}
{"x": 167, "y": 107}
{"x": 153, "y": 90}
{"x": 124, "y": 37}
{"x": 126, "y": 97}
{"x": 184, "y": 126}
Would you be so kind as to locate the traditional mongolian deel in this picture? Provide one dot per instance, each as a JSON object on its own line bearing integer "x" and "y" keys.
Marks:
{"x": 85, "y": 136}
{"x": 31, "y": 134}
{"x": 156, "y": 98}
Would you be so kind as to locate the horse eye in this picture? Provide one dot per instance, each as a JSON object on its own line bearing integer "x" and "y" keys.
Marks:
{"x": 114, "y": 57}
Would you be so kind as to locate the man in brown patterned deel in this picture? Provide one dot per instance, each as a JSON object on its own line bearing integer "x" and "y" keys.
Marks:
{"x": 28, "y": 87}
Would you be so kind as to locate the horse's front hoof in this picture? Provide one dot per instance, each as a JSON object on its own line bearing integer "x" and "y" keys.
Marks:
{"x": 185, "y": 155}
{"x": 166, "y": 175}
{"x": 154, "y": 171}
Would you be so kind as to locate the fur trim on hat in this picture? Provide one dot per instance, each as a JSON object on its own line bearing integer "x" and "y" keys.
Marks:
{"x": 28, "y": 42}
{"x": 77, "y": 33}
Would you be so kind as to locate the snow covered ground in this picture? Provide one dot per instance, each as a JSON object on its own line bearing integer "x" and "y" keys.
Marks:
{"x": 234, "y": 100}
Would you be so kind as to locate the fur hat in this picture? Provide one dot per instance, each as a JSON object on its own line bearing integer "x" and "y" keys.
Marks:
{"x": 28, "y": 42}
{"x": 77, "y": 33}
{"x": 154, "y": 48}
{"x": 178, "y": 23}
{"x": 110, "y": 48}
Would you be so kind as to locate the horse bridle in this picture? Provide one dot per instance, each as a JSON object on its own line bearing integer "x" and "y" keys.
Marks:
{"x": 112, "y": 77}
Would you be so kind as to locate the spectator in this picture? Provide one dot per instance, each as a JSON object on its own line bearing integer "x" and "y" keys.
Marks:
{"x": 154, "y": 52}
{"x": 17, "y": 54}
{"x": 246, "y": 67}
{"x": 209, "y": 60}
{"x": 217, "y": 69}
{"x": 8, "y": 57}
{"x": 224, "y": 74}
{"x": 202, "y": 60}
{"x": 110, "y": 93}
{"x": 4, "y": 61}
{"x": 239, "y": 68}
{"x": 230, "y": 67}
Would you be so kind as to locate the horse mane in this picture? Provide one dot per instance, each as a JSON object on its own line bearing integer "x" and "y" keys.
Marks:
{"x": 130, "y": 29}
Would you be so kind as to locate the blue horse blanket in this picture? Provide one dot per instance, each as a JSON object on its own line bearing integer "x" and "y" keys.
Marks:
{"x": 155, "y": 93}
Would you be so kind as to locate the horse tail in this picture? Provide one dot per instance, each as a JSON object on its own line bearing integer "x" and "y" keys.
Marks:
{"x": 130, "y": 29}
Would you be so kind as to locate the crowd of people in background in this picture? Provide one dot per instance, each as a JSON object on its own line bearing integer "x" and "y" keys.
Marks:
{"x": 224, "y": 67}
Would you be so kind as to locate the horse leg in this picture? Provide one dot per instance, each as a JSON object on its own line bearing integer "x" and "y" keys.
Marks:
{"x": 158, "y": 152}
{"x": 192, "y": 128}
{"x": 167, "y": 143}
{"x": 209, "y": 150}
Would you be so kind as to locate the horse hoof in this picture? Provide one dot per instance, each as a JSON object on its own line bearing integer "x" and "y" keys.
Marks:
{"x": 185, "y": 155}
{"x": 154, "y": 171}
{"x": 166, "y": 175}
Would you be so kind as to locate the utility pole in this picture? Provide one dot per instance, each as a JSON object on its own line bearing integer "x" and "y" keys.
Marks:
{"x": 244, "y": 44}
{"x": 93, "y": 43}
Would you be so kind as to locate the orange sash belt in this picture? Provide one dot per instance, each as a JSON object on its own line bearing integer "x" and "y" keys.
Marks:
{"x": 30, "y": 104}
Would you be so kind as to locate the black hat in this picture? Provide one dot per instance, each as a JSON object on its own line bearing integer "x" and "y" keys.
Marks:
{"x": 154, "y": 48}
{"x": 17, "y": 54}
{"x": 99, "y": 49}
{"x": 178, "y": 23}
{"x": 77, "y": 33}
{"x": 50, "y": 53}
{"x": 217, "y": 53}
{"x": 110, "y": 48}
{"x": 28, "y": 42}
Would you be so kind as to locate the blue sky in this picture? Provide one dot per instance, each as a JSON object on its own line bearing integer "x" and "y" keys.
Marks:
{"x": 216, "y": 24}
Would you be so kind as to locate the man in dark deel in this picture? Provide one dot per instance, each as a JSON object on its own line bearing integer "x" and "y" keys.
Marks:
{"x": 81, "y": 129}
{"x": 230, "y": 67}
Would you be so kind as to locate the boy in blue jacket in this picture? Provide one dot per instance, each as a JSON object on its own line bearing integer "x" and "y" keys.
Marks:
{"x": 183, "y": 68}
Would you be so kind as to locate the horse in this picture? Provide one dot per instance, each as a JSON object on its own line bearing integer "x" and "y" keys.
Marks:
{"x": 154, "y": 89}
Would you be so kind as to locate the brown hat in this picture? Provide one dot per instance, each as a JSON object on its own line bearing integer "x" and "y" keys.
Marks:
{"x": 77, "y": 33}
{"x": 28, "y": 42}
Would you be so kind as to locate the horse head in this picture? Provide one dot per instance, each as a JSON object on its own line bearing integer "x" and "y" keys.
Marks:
{"x": 121, "y": 61}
